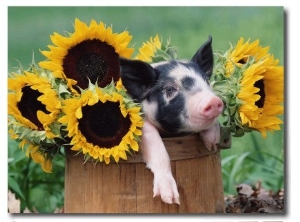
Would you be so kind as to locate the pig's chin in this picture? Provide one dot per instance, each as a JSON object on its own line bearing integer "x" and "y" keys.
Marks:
{"x": 200, "y": 123}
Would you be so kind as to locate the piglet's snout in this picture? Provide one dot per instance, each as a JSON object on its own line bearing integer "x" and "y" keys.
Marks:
{"x": 213, "y": 108}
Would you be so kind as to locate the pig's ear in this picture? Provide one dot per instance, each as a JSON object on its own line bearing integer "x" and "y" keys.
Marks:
{"x": 204, "y": 57}
{"x": 137, "y": 77}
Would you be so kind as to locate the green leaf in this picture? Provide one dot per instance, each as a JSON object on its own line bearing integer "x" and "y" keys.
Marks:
{"x": 14, "y": 187}
{"x": 228, "y": 159}
{"x": 62, "y": 89}
{"x": 238, "y": 166}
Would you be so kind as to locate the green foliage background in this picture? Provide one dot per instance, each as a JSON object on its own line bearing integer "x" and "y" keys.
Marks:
{"x": 251, "y": 158}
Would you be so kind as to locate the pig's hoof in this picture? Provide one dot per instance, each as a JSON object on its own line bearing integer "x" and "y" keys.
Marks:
{"x": 170, "y": 200}
{"x": 165, "y": 187}
{"x": 210, "y": 146}
{"x": 211, "y": 137}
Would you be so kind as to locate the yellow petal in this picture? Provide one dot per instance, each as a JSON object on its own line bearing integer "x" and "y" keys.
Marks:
{"x": 78, "y": 112}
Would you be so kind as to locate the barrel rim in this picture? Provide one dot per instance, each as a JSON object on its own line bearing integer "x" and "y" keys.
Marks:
{"x": 178, "y": 148}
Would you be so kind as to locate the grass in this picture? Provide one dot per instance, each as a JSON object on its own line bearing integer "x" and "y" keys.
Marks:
{"x": 250, "y": 158}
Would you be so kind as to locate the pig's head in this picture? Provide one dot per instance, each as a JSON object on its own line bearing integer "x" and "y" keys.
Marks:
{"x": 176, "y": 96}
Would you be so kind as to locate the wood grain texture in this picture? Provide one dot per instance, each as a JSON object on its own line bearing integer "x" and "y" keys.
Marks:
{"x": 127, "y": 187}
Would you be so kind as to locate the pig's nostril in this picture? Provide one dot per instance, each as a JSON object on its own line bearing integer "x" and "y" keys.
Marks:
{"x": 207, "y": 109}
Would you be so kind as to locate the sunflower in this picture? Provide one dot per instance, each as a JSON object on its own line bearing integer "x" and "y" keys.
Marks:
{"x": 148, "y": 49}
{"x": 267, "y": 96}
{"x": 32, "y": 102}
{"x": 103, "y": 123}
{"x": 91, "y": 52}
{"x": 33, "y": 108}
{"x": 243, "y": 51}
{"x": 33, "y": 150}
{"x": 250, "y": 82}
{"x": 155, "y": 51}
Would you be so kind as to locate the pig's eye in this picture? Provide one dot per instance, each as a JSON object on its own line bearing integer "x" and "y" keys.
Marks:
{"x": 170, "y": 91}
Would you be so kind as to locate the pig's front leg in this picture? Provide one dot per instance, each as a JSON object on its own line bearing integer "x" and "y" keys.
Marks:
{"x": 157, "y": 160}
{"x": 211, "y": 137}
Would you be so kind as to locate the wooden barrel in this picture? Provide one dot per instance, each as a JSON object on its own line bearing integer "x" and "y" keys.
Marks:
{"x": 127, "y": 187}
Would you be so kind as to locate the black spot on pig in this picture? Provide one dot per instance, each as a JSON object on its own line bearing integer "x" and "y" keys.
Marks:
{"x": 188, "y": 82}
{"x": 169, "y": 113}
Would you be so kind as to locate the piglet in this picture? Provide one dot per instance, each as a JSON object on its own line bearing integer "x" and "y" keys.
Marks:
{"x": 176, "y": 99}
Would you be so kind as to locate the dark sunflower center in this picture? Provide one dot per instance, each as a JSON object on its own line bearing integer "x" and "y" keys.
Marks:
{"x": 92, "y": 66}
{"x": 260, "y": 84}
{"x": 103, "y": 124}
{"x": 243, "y": 61}
{"x": 29, "y": 105}
{"x": 94, "y": 60}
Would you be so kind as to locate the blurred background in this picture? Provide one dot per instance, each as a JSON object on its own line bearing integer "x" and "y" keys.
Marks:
{"x": 250, "y": 159}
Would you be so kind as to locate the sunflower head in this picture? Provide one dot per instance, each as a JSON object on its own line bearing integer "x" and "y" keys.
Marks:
{"x": 33, "y": 109}
{"x": 155, "y": 51}
{"x": 242, "y": 52}
{"x": 103, "y": 123}
{"x": 89, "y": 53}
{"x": 33, "y": 102}
{"x": 250, "y": 83}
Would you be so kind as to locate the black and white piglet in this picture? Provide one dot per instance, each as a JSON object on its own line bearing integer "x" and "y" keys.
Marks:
{"x": 176, "y": 99}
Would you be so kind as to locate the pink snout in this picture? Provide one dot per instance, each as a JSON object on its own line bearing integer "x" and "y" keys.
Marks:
{"x": 213, "y": 108}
